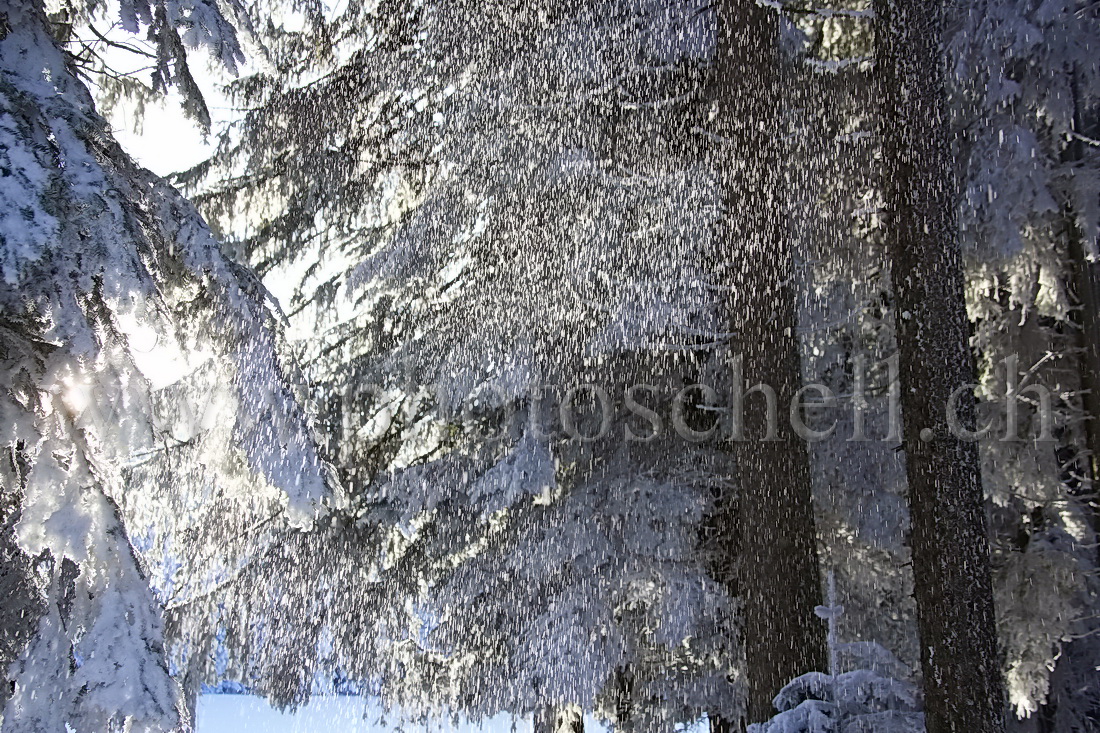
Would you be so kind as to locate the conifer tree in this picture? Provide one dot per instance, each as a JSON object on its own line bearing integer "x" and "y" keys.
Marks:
{"x": 119, "y": 317}
{"x": 767, "y": 532}
{"x": 953, "y": 585}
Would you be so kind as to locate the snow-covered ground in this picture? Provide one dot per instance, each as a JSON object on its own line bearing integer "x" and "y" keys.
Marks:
{"x": 248, "y": 714}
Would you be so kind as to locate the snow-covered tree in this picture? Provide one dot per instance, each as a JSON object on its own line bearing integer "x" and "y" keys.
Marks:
{"x": 536, "y": 161}
{"x": 866, "y": 690}
{"x": 142, "y": 385}
{"x": 468, "y": 212}
{"x": 1025, "y": 86}
{"x": 1010, "y": 62}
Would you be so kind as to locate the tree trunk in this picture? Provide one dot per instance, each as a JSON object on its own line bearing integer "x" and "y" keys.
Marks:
{"x": 766, "y": 543}
{"x": 551, "y": 719}
{"x": 1086, "y": 290}
{"x": 1086, "y": 317}
{"x": 624, "y": 700}
{"x": 953, "y": 589}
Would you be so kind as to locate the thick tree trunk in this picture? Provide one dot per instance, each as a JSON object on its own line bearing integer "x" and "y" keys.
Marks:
{"x": 1086, "y": 290}
{"x": 953, "y": 588}
{"x": 767, "y": 541}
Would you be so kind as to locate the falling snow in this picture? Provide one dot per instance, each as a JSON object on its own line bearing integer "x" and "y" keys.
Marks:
{"x": 423, "y": 395}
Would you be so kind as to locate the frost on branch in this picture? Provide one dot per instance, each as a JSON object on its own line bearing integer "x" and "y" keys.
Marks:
{"x": 164, "y": 33}
{"x": 1025, "y": 84}
{"x": 117, "y": 304}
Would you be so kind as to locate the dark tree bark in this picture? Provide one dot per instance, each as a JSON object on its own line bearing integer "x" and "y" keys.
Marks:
{"x": 21, "y": 606}
{"x": 1086, "y": 291}
{"x": 624, "y": 700}
{"x": 1086, "y": 317}
{"x": 766, "y": 542}
{"x": 559, "y": 720}
{"x": 953, "y": 589}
